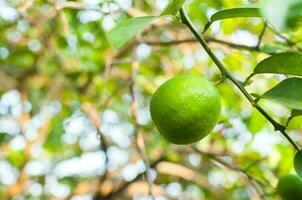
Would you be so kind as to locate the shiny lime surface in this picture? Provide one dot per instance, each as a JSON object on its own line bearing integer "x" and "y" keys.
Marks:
{"x": 185, "y": 109}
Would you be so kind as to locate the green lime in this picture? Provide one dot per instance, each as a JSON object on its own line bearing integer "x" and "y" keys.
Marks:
{"x": 298, "y": 162}
{"x": 290, "y": 187}
{"x": 185, "y": 109}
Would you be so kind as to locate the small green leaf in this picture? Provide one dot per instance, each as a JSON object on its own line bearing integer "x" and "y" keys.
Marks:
{"x": 296, "y": 113}
{"x": 298, "y": 162}
{"x": 288, "y": 93}
{"x": 127, "y": 29}
{"x": 233, "y": 13}
{"x": 283, "y": 63}
{"x": 236, "y": 12}
{"x": 173, "y": 7}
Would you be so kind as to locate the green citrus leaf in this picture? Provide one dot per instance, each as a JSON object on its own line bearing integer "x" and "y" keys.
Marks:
{"x": 298, "y": 162}
{"x": 283, "y": 63}
{"x": 127, "y": 29}
{"x": 233, "y": 13}
{"x": 296, "y": 113}
{"x": 288, "y": 93}
{"x": 236, "y": 12}
{"x": 173, "y": 7}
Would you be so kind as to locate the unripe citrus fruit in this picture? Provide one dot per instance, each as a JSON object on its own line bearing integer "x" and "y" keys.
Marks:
{"x": 290, "y": 187}
{"x": 185, "y": 109}
{"x": 298, "y": 162}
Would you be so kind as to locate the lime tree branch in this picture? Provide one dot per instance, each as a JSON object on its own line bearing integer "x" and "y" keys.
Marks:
{"x": 208, "y": 39}
{"x": 261, "y": 35}
{"x": 139, "y": 140}
{"x": 120, "y": 189}
{"x": 93, "y": 116}
{"x": 286, "y": 39}
{"x": 253, "y": 182}
{"x": 278, "y": 127}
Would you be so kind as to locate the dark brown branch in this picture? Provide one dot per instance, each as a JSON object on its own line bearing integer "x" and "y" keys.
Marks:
{"x": 139, "y": 140}
{"x": 286, "y": 39}
{"x": 232, "y": 45}
{"x": 124, "y": 186}
{"x": 261, "y": 35}
{"x": 208, "y": 39}
{"x": 253, "y": 181}
{"x": 96, "y": 121}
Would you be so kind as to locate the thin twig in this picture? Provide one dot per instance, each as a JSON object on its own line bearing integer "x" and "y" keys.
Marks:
{"x": 253, "y": 181}
{"x": 279, "y": 34}
{"x": 124, "y": 186}
{"x": 109, "y": 7}
{"x": 279, "y": 127}
{"x": 70, "y": 4}
{"x": 25, "y": 6}
{"x": 232, "y": 45}
{"x": 139, "y": 140}
{"x": 93, "y": 116}
{"x": 208, "y": 39}
{"x": 261, "y": 35}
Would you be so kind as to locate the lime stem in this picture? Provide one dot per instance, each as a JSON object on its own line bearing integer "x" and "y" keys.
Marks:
{"x": 278, "y": 127}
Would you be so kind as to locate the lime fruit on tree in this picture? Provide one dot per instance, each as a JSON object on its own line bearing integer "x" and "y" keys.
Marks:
{"x": 185, "y": 109}
{"x": 290, "y": 187}
{"x": 298, "y": 162}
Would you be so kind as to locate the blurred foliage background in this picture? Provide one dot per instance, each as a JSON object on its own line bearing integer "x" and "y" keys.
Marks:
{"x": 74, "y": 112}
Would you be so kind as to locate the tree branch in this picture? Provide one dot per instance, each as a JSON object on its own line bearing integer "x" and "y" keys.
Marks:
{"x": 279, "y": 34}
{"x": 208, "y": 39}
{"x": 96, "y": 121}
{"x": 139, "y": 140}
{"x": 261, "y": 35}
{"x": 253, "y": 181}
{"x": 124, "y": 186}
{"x": 279, "y": 127}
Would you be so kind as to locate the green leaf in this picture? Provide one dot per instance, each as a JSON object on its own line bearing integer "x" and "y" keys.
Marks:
{"x": 127, "y": 29}
{"x": 233, "y": 13}
{"x": 287, "y": 93}
{"x": 283, "y": 63}
{"x": 173, "y": 7}
{"x": 298, "y": 162}
{"x": 236, "y": 12}
{"x": 296, "y": 113}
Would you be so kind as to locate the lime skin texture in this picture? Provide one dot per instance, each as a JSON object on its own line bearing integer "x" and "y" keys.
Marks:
{"x": 298, "y": 162}
{"x": 290, "y": 187}
{"x": 185, "y": 109}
